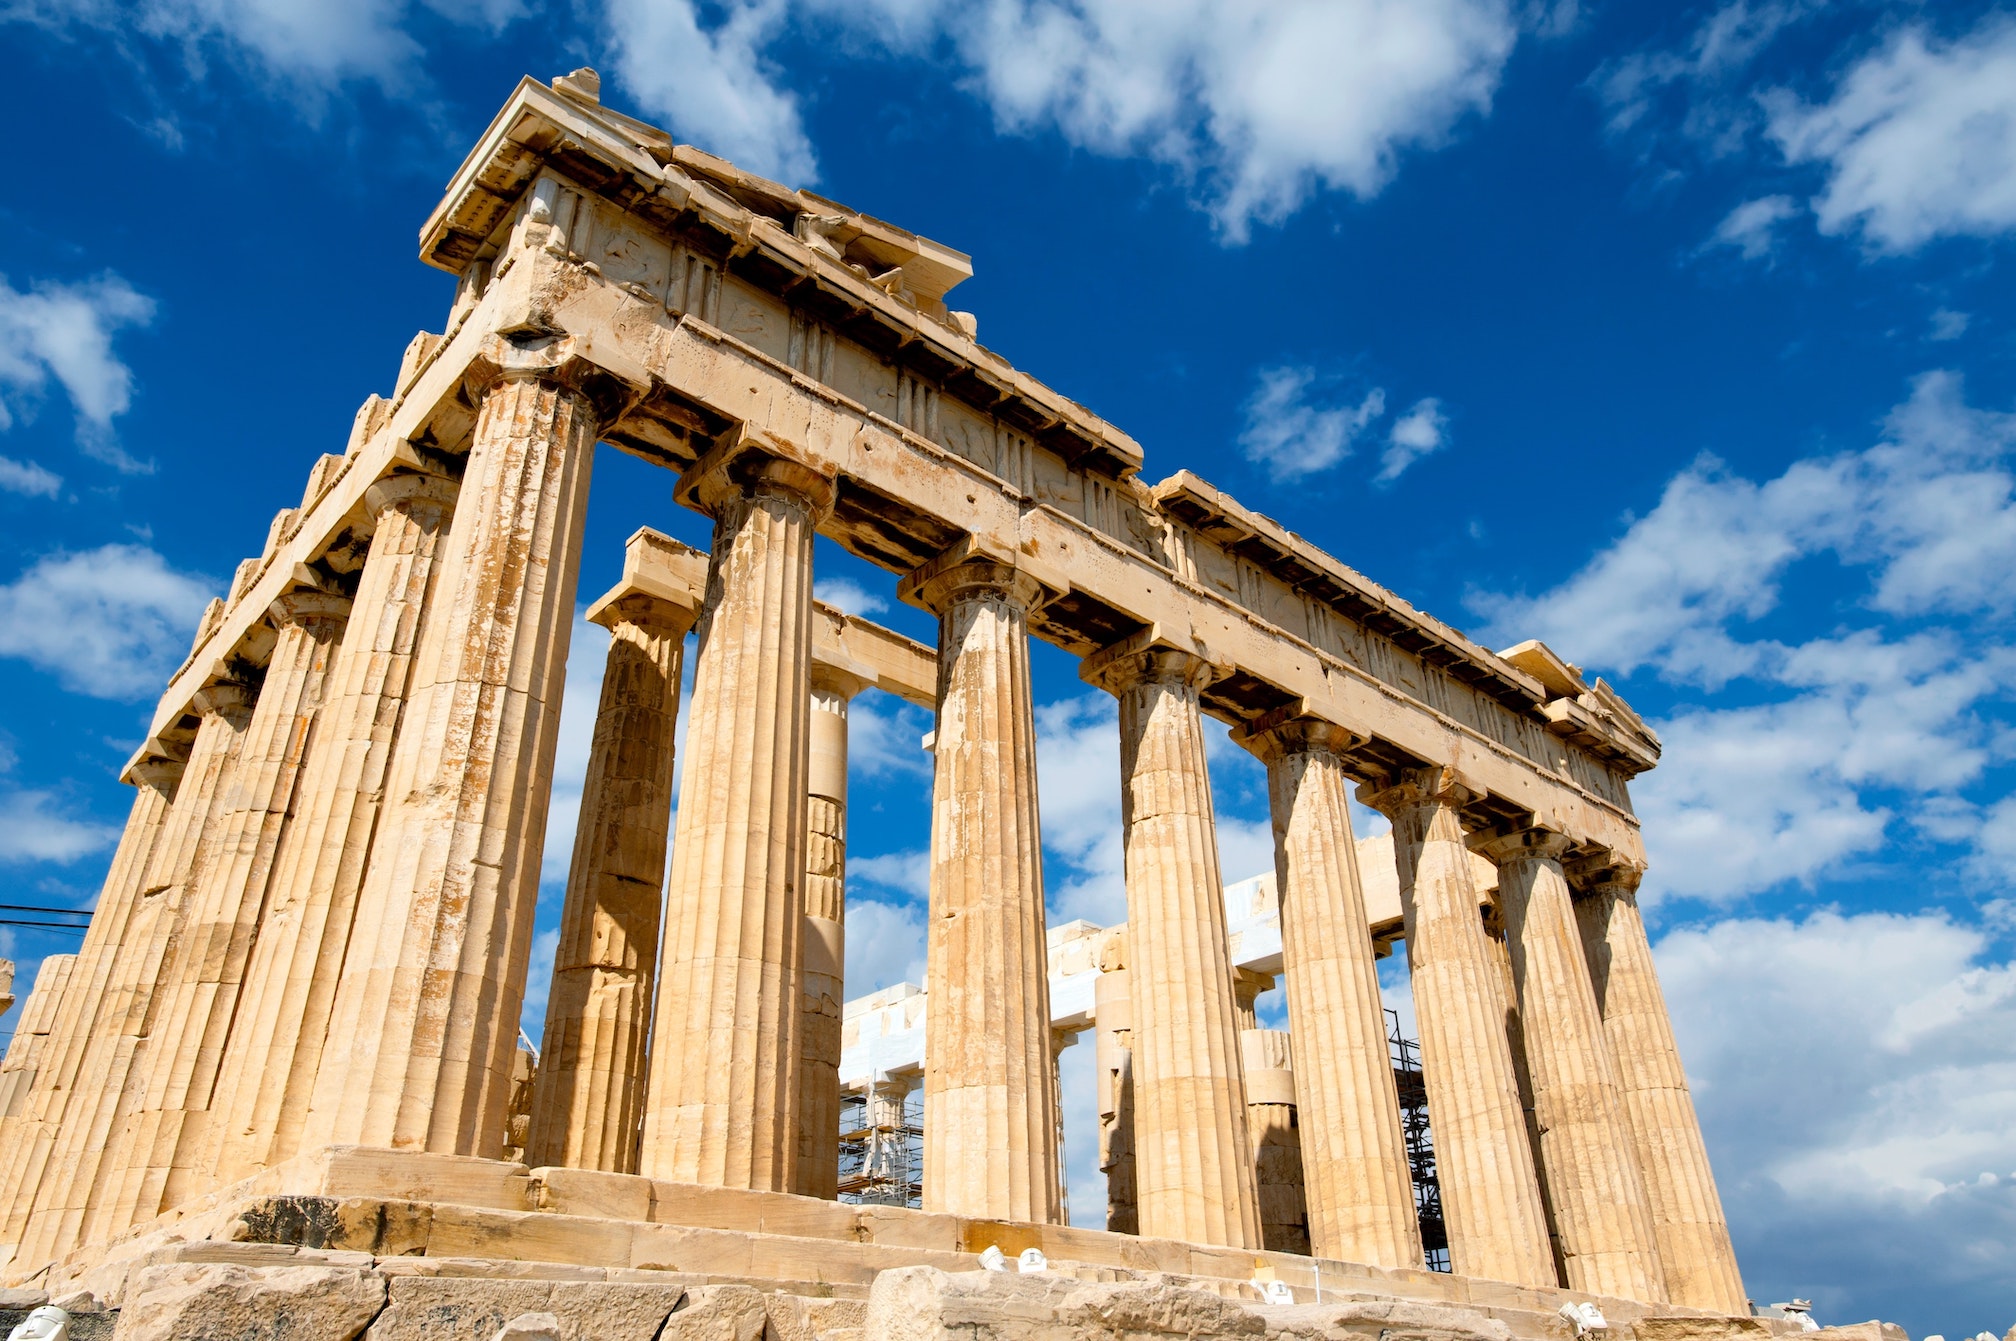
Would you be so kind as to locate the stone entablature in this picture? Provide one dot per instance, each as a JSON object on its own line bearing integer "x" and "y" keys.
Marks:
{"x": 994, "y": 456}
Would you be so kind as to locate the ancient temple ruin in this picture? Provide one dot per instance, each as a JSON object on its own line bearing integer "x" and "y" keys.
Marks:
{"x": 292, "y": 1028}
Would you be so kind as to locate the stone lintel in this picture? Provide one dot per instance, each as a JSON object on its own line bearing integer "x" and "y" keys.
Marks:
{"x": 849, "y": 650}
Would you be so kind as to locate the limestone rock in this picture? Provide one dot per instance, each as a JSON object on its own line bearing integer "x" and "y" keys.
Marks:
{"x": 436, "y": 1308}
{"x": 23, "y": 1299}
{"x": 924, "y": 1303}
{"x": 718, "y": 1313}
{"x": 1392, "y": 1320}
{"x": 1701, "y": 1329}
{"x": 530, "y": 1327}
{"x": 222, "y": 1302}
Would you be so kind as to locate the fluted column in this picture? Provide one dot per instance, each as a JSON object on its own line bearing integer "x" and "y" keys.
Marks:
{"x": 1278, "y": 1158}
{"x": 990, "y": 1105}
{"x": 74, "y": 1057}
{"x": 32, "y": 1030}
{"x": 164, "y": 1150}
{"x": 824, "y": 990}
{"x": 722, "y": 1107}
{"x": 1113, "y": 1016}
{"x": 423, "y": 1033}
{"x": 1354, "y": 1156}
{"x": 1490, "y": 1188}
{"x": 268, "y": 1076}
{"x": 588, "y": 1097}
{"x": 1603, "y": 1224}
{"x": 175, "y": 864}
{"x": 1193, "y": 1159}
{"x": 1686, "y": 1209}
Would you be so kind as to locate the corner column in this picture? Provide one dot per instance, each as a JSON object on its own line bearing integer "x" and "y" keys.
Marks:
{"x": 824, "y": 993}
{"x": 1490, "y": 1188}
{"x": 1686, "y": 1209}
{"x": 990, "y": 1131}
{"x": 1604, "y": 1226}
{"x": 423, "y": 1038}
{"x": 722, "y": 1106}
{"x": 1354, "y": 1155}
{"x": 1278, "y": 1161}
{"x": 1193, "y": 1159}
{"x": 276, "y": 1048}
{"x": 588, "y": 1096}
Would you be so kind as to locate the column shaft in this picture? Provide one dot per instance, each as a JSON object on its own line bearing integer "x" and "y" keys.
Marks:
{"x": 990, "y": 1127}
{"x": 722, "y": 1107}
{"x": 1490, "y": 1188}
{"x": 1113, "y": 1014}
{"x": 1193, "y": 1157}
{"x": 824, "y": 991}
{"x": 103, "y": 1098}
{"x": 1686, "y": 1209}
{"x": 1603, "y": 1225}
{"x": 423, "y": 1033}
{"x": 163, "y": 1154}
{"x": 1271, "y": 1122}
{"x": 73, "y": 1059}
{"x": 276, "y": 1046}
{"x": 1359, "y": 1189}
{"x": 588, "y": 1097}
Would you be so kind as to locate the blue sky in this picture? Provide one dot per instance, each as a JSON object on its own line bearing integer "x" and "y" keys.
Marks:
{"x": 1679, "y": 336}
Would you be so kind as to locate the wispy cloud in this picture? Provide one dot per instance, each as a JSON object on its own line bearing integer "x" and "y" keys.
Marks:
{"x": 110, "y": 622}
{"x": 1299, "y": 422}
{"x": 1422, "y": 430}
{"x": 1751, "y": 228}
{"x": 65, "y": 331}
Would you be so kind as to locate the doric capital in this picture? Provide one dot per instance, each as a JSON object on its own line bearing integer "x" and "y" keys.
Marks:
{"x": 1604, "y": 873}
{"x": 664, "y": 585}
{"x": 749, "y": 463}
{"x": 1147, "y": 657}
{"x": 230, "y": 699}
{"x": 409, "y": 492}
{"x": 966, "y": 572}
{"x": 842, "y": 682}
{"x": 1292, "y": 729}
{"x": 1437, "y": 785}
{"x": 159, "y": 771}
{"x": 556, "y": 360}
{"x": 302, "y": 605}
{"x": 1528, "y": 844}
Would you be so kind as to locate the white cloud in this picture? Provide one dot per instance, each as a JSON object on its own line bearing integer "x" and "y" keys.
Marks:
{"x": 40, "y": 826}
{"x": 712, "y": 83}
{"x": 1423, "y": 429}
{"x": 1948, "y": 324}
{"x": 1918, "y": 139}
{"x": 65, "y": 331}
{"x": 901, "y": 872}
{"x": 1838, "y": 734}
{"x": 27, "y": 477}
{"x": 111, "y": 622}
{"x": 1856, "y": 1079}
{"x": 1752, "y": 227}
{"x": 1296, "y": 426}
{"x": 1255, "y": 107}
{"x": 885, "y": 945}
{"x": 1649, "y": 94}
{"x": 849, "y": 596}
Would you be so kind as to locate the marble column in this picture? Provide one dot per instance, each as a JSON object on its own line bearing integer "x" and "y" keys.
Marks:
{"x": 1276, "y": 1133}
{"x": 74, "y": 1057}
{"x": 1193, "y": 1157}
{"x": 1603, "y": 1223}
{"x": 423, "y": 1034}
{"x": 824, "y": 991}
{"x": 69, "y": 1200}
{"x": 1686, "y": 1209}
{"x": 33, "y": 1028}
{"x": 1354, "y": 1157}
{"x": 276, "y": 1049}
{"x": 722, "y": 1107}
{"x": 990, "y": 1148}
{"x": 1490, "y": 1188}
{"x": 1113, "y": 1016}
{"x": 165, "y": 1153}
{"x": 588, "y": 1097}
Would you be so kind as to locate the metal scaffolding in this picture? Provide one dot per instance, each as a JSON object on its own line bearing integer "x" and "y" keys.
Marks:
{"x": 882, "y": 1163}
{"x": 1406, "y": 1054}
